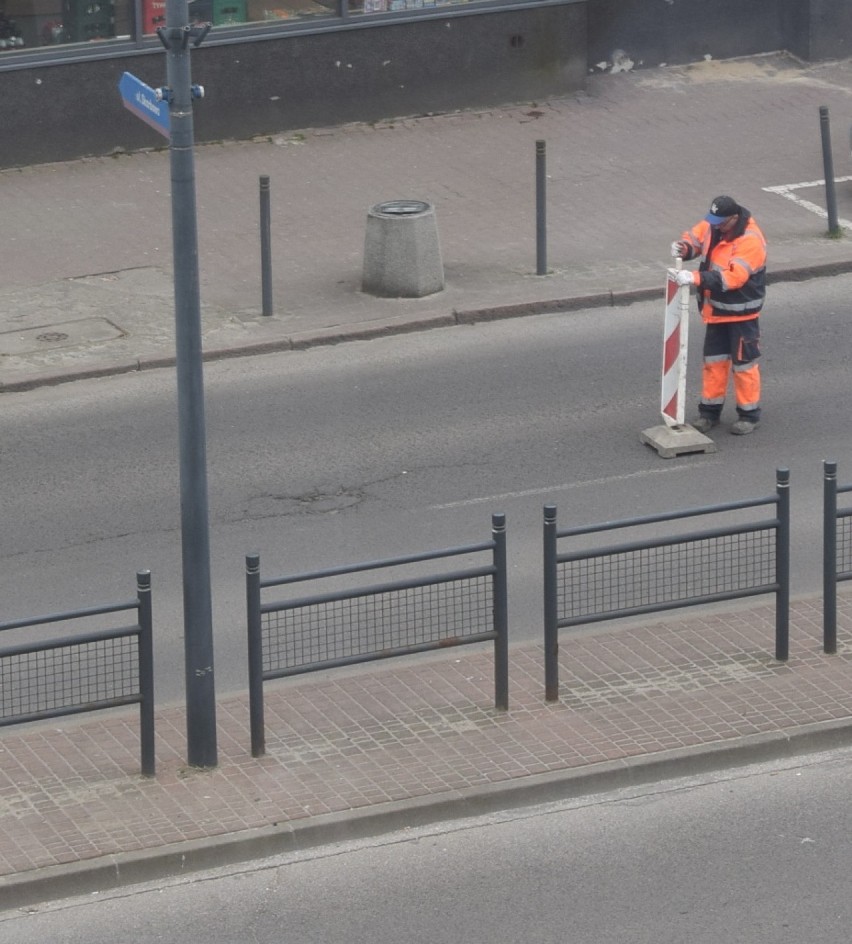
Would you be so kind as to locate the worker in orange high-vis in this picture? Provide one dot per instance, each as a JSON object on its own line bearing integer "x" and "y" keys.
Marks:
{"x": 730, "y": 283}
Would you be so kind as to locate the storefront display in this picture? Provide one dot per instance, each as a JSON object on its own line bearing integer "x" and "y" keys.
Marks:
{"x": 25, "y": 24}
{"x": 87, "y": 20}
{"x": 10, "y": 37}
{"x": 37, "y": 22}
{"x": 153, "y": 15}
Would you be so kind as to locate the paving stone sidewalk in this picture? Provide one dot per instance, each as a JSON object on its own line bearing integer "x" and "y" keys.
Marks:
{"x": 404, "y": 742}
{"x": 625, "y": 175}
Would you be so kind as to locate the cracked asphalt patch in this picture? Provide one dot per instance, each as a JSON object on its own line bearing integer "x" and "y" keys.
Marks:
{"x": 311, "y": 503}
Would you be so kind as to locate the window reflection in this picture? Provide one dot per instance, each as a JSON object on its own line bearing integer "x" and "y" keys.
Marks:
{"x": 384, "y": 6}
{"x": 232, "y": 12}
{"x": 29, "y": 24}
{"x": 393, "y": 6}
{"x": 25, "y": 24}
{"x": 153, "y": 15}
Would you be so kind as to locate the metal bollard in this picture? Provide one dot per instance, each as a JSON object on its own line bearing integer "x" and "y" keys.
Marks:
{"x": 828, "y": 163}
{"x": 540, "y": 209}
{"x": 265, "y": 247}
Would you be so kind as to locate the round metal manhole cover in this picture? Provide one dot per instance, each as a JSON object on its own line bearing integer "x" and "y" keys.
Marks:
{"x": 52, "y": 336}
{"x": 403, "y": 207}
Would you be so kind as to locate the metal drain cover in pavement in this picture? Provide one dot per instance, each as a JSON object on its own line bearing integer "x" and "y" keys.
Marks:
{"x": 51, "y": 337}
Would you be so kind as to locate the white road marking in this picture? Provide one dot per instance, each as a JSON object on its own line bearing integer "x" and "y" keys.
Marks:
{"x": 549, "y": 489}
{"x": 787, "y": 191}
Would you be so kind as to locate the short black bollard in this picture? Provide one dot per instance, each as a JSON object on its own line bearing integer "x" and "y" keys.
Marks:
{"x": 265, "y": 247}
{"x": 828, "y": 164}
{"x": 540, "y": 209}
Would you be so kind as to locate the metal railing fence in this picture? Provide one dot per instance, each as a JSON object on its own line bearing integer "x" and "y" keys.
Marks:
{"x": 365, "y": 623}
{"x": 87, "y": 671}
{"x": 662, "y": 573}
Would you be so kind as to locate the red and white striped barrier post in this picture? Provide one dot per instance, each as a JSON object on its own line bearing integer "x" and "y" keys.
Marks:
{"x": 675, "y": 340}
{"x": 673, "y": 437}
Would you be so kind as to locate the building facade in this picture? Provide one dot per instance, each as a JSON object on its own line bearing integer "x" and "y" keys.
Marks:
{"x": 275, "y": 65}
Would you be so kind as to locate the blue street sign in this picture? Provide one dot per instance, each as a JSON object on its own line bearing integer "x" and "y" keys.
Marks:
{"x": 142, "y": 100}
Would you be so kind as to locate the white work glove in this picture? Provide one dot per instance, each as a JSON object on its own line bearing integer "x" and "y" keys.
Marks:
{"x": 678, "y": 250}
{"x": 684, "y": 277}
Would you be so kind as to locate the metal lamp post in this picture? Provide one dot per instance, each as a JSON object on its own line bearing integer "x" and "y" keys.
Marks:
{"x": 176, "y": 36}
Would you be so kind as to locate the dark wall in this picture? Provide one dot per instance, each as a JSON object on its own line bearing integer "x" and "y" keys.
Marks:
{"x": 60, "y": 112}
{"x": 368, "y": 74}
{"x": 67, "y": 111}
{"x": 654, "y": 32}
{"x": 830, "y": 30}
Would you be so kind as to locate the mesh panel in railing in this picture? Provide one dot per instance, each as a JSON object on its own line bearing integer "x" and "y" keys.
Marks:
{"x": 71, "y": 676}
{"x": 672, "y": 573}
{"x": 844, "y": 544}
{"x": 368, "y": 625}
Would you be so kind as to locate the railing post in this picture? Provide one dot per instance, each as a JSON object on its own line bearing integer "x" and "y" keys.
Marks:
{"x": 255, "y": 656}
{"x": 782, "y": 565}
{"x": 146, "y": 672}
{"x": 501, "y": 614}
{"x": 829, "y": 557}
{"x": 551, "y": 615}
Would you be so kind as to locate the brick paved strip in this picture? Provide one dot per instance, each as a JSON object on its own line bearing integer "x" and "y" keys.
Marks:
{"x": 406, "y": 735}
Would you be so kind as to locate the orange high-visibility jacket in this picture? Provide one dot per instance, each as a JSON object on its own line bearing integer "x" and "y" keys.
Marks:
{"x": 732, "y": 275}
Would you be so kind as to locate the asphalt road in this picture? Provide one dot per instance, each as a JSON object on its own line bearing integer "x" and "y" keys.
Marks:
{"x": 371, "y": 449}
{"x": 755, "y": 855}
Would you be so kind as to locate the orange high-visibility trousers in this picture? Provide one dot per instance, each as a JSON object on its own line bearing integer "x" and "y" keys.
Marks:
{"x": 715, "y": 374}
{"x": 727, "y": 345}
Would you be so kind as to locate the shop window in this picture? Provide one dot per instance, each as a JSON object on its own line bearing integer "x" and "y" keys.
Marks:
{"x": 27, "y": 24}
{"x": 394, "y": 6}
{"x": 30, "y": 24}
{"x": 10, "y": 33}
{"x": 233, "y": 12}
{"x": 270, "y": 10}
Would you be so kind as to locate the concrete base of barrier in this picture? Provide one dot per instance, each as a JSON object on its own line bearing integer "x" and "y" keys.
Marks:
{"x": 402, "y": 255}
{"x": 671, "y": 441}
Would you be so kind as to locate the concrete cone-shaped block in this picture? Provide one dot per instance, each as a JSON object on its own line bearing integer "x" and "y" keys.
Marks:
{"x": 402, "y": 253}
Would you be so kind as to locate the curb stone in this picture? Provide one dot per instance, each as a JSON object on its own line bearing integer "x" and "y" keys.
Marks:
{"x": 117, "y": 871}
{"x": 394, "y": 326}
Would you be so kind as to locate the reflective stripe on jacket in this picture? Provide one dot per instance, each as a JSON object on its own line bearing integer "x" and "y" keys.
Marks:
{"x": 732, "y": 270}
